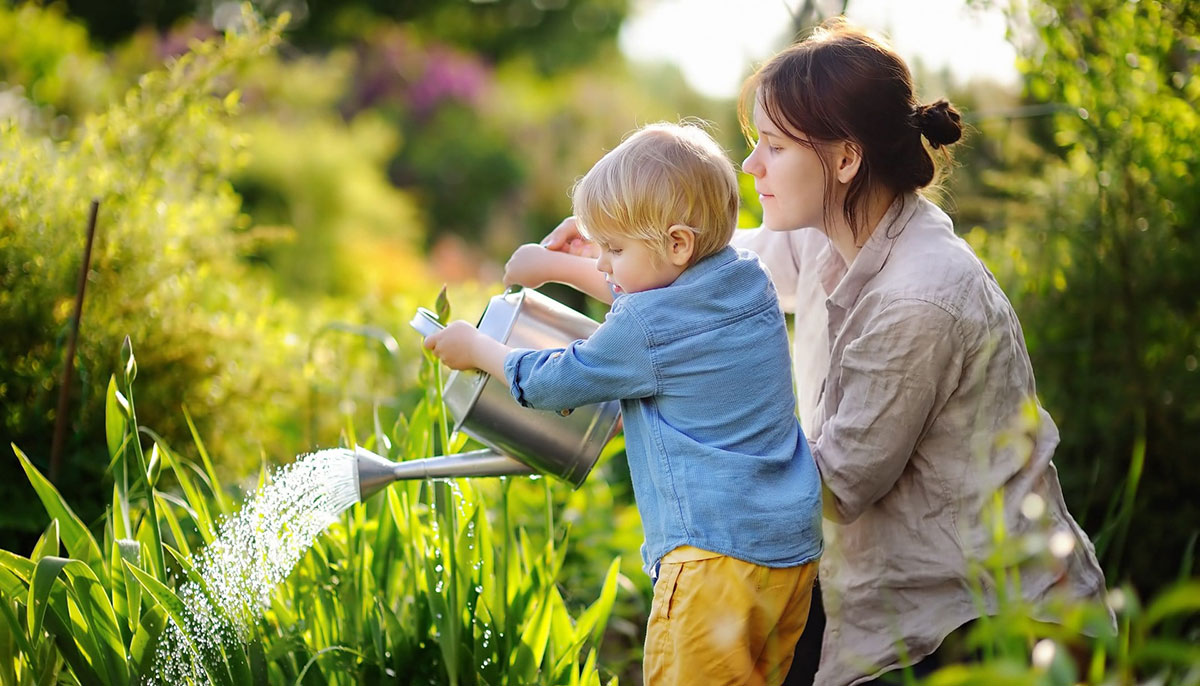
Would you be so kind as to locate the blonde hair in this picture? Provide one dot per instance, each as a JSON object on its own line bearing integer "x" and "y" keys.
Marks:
{"x": 661, "y": 175}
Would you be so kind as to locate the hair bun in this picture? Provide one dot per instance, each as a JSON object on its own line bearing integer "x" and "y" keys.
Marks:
{"x": 939, "y": 122}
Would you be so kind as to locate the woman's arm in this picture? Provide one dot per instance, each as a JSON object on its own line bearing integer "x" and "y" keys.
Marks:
{"x": 894, "y": 379}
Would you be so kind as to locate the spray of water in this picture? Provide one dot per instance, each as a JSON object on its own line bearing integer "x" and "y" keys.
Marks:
{"x": 254, "y": 551}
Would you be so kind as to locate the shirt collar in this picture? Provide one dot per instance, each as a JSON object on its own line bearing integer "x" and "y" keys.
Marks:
{"x": 874, "y": 254}
{"x": 706, "y": 266}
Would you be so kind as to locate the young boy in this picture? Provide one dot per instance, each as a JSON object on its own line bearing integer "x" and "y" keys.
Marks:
{"x": 696, "y": 350}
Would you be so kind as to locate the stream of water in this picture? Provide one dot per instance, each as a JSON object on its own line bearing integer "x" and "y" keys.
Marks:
{"x": 253, "y": 552}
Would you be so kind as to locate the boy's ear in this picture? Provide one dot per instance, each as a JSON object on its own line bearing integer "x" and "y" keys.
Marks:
{"x": 847, "y": 160}
{"x": 681, "y": 245}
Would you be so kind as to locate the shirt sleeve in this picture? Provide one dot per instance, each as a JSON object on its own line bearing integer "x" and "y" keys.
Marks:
{"x": 775, "y": 250}
{"x": 614, "y": 363}
{"x": 890, "y": 377}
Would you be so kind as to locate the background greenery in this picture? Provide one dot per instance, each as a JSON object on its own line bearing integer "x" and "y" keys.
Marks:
{"x": 275, "y": 205}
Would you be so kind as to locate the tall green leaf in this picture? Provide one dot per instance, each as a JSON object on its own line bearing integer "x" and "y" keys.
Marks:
{"x": 45, "y": 574}
{"x": 101, "y": 622}
{"x": 75, "y": 536}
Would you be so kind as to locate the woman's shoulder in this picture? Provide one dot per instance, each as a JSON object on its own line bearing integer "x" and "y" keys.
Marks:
{"x": 930, "y": 262}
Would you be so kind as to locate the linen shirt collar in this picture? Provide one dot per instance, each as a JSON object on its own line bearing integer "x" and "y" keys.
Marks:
{"x": 845, "y": 285}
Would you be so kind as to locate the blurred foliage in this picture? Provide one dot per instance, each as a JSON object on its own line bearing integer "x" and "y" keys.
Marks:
{"x": 170, "y": 269}
{"x": 1088, "y": 217}
{"x": 47, "y": 64}
{"x": 555, "y": 34}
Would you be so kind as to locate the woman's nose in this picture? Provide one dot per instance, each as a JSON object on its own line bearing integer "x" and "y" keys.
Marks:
{"x": 750, "y": 164}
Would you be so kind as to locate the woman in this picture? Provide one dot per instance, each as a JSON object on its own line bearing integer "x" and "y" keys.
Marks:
{"x": 913, "y": 381}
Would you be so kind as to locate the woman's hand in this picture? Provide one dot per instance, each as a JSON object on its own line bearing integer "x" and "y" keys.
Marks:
{"x": 566, "y": 238}
{"x": 531, "y": 265}
{"x": 456, "y": 345}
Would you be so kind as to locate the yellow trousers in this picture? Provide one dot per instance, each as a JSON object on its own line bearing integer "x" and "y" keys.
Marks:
{"x": 719, "y": 620}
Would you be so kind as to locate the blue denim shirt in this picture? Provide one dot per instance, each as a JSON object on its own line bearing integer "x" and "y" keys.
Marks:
{"x": 701, "y": 367}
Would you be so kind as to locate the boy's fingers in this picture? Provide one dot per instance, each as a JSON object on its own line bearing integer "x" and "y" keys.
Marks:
{"x": 561, "y": 235}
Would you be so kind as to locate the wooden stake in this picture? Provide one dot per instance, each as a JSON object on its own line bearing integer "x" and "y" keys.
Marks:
{"x": 64, "y": 392}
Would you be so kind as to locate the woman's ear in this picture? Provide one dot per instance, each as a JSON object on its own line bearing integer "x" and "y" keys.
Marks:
{"x": 681, "y": 245}
{"x": 847, "y": 161}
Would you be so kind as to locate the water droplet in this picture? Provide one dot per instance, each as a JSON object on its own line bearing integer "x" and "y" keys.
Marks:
{"x": 1033, "y": 506}
{"x": 1061, "y": 544}
{"x": 1043, "y": 653}
{"x": 1116, "y": 600}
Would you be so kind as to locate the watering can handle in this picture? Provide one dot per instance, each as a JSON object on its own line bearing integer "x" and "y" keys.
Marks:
{"x": 426, "y": 322}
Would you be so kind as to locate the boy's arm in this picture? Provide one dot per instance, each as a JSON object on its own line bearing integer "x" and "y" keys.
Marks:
{"x": 532, "y": 265}
{"x": 462, "y": 346}
{"x": 614, "y": 363}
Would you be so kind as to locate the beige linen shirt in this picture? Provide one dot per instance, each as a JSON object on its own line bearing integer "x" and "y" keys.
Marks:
{"x": 917, "y": 395}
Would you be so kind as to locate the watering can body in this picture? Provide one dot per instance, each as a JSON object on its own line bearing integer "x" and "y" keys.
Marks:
{"x": 519, "y": 440}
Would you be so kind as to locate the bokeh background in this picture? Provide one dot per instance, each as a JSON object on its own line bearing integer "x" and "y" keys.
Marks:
{"x": 272, "y": 213}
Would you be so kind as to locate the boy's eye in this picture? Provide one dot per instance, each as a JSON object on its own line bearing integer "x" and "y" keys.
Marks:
{"x": 615, "y": 251}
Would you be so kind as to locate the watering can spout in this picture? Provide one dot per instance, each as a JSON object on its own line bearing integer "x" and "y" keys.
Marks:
{"x": 375, "y": 472}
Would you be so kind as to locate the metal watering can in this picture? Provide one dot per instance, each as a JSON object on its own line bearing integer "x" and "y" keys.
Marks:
{"x": 519, "y": 440}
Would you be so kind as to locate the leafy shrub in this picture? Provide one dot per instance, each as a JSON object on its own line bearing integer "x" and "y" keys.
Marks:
{"x": 1096, "y": 246}
{"x": 168, "y": 269}
{"x": 49, "y": 57}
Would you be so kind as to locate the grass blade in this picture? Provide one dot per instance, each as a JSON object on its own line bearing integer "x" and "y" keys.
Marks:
{"x": 78, "y": 540}
{"x": 45, "y": 574}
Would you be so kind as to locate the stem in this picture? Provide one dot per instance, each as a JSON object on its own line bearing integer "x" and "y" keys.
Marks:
{"x": 156, "y": 552}
{"x": 502, "y": 648}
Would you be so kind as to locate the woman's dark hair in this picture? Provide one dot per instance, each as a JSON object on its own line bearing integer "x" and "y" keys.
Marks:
{"x": 841, "y": 84}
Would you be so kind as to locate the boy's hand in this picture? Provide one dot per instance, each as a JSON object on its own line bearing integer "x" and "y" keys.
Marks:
{"x": 529, "y": 266}
{"x": 456, "y": 345}
{"x": 566, "y": 238}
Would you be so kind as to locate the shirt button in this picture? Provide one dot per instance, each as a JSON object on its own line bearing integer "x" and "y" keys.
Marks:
{"x": 566, "y": 412}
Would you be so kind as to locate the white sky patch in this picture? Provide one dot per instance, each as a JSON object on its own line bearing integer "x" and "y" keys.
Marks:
{"x": 715, "y": 43}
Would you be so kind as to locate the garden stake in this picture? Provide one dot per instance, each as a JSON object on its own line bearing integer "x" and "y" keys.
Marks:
{"x": 60, "y": 415}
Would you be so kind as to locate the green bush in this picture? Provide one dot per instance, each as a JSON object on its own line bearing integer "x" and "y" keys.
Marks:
{"x": 1095, "y": 242}
{"x": 49, "y": 57}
